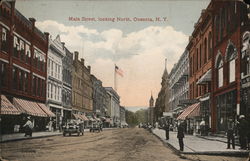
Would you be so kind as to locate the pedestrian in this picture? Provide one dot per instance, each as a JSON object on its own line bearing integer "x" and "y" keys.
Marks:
{"x": 180, "y": 136}
{"x": 166, "y": 128}
{"x": 28, "y": 126}
{"x": 230, "y": 133}
{"x": 243, "y": 132}
{"x": 202, "y": 127}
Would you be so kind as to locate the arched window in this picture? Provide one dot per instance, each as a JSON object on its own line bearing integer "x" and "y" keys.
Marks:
{"x": 219, "y": 67}
{"x": 231, "y": 54}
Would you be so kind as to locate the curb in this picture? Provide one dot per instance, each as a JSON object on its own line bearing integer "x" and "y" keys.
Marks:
{"x": 217, "y": 153}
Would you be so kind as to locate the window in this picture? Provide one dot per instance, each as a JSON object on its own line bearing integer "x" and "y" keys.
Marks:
{"x": 205, "y": 50}
{"x": 51, "y": 91}
{"x": 209, "y": 45}
{"x": 34, "y": 85}
{"x": 22, "y": 51}
{"x": 3, "y": 74}
{"x": 48, "y": 90}
{"x": 220, "y": 71}
{"x": 27, "y": 53}
{"x": 16, "y": 46}
{"x": 231, "y": 55}
{"x": 14, "y": 76}
{"x": 26, "y": 82}
{"x": 4, "y": 42}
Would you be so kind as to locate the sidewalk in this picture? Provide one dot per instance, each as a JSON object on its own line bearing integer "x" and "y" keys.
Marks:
{"x": 20, "y": 136}
{"x": 200, "y": 145}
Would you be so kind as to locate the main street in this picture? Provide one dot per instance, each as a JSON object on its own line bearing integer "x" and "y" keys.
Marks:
{"x": 130, "y": 144}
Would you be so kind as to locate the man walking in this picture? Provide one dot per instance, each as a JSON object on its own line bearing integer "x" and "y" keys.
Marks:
{"x": 166, "y": 127}
{"x": 180, "y": 136}
{"x": 28, "y": 127}
{"x": 230, "y": 134}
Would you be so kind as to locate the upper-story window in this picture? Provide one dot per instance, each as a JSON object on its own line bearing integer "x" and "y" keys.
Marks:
{"x": 4, "y": 42}
{"x": 3, "y": 73}
{"x": 22, "y": 51}
{"x": 219, "y": 66}
{"x": 245, "y": 52}
{"x": 231, "y": 55}
{"x": 27, "y": 53}
{"x": 16, "y": 46}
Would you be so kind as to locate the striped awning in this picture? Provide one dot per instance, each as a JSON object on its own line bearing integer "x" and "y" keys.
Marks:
{"x": 81, "y": 117}
{"x": 7, "y": 108}
{"x": 46, "y": 110}
{"x": 29, "y": 107}
{"x": 191, "y": 111}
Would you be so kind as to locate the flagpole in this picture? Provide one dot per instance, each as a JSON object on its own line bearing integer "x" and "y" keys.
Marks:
{"x": 115, "y": 81}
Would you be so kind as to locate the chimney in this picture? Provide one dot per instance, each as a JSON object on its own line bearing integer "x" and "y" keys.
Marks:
{"x": 46, "y": 35}
{"x": 33, "y": 21}
{"x": 82, "y": 61}
{"x": 76, "y": 55}
{"x": 89, "y": 68}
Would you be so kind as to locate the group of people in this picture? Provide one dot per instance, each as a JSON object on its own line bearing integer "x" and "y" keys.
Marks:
{"x": 243, "y": 128}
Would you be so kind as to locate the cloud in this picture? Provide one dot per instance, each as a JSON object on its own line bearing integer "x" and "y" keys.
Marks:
{"x": 140, "y": 54}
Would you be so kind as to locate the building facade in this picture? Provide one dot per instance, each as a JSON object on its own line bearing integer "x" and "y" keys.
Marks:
{"x": 245, "y": 70}
{"x": 114, "y": 106}
{"x": 99, "y": 97}
{"x": 228, "y": 20}
{"x": 56, "y": 53}
{"x": 123, "y": 116}
{"x": 67, "y": 65}
{"x": 200, "y": 48}
{"x": 162, "y": 101}
{"x": 178, "y": 84}
{"x": 23, "y": 59}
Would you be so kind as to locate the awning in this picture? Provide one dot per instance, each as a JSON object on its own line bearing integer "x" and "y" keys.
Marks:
{"x": 205, "y": 78}
{"x": 46, "y": 110}
{"x": 8, "y": 108}
{"x": 81, "y": 117}
{"x": 29, "y": 107}
{"x": 190, "y": 111}
{"x": 84, "y": 118}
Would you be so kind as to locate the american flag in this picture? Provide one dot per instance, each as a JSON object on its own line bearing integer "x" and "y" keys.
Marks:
{"x": 118, "y": 71}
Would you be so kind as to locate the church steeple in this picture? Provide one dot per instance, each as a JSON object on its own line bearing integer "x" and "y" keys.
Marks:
{"x": 165, "y": 74}
{"x": 151, "y": 101}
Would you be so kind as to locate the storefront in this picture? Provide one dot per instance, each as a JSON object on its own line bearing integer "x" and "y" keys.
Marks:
{"x": 191, "y": 118}
{"x": 14, "y": 114}
{"x": 226, "y": 109}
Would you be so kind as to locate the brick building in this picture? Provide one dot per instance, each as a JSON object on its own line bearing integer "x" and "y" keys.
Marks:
{"x": 200, "y": 62}
{"x": 23, "y": 59}
{"x": 228, "y": 18}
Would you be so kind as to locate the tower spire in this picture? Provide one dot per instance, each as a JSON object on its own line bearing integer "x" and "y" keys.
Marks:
{"x": 166, "y": 63}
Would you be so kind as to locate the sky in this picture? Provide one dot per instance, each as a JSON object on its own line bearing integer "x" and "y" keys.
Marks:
{"x": 138, "y": 48}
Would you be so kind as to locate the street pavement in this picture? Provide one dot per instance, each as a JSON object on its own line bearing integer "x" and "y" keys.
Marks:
{"x": 200, "y": 145}
{"x": 128, "y": 144}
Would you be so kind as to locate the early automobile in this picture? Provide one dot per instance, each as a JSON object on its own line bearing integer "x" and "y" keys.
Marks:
{"x": 95, "y": 127}
{"x": 73, "y": 128}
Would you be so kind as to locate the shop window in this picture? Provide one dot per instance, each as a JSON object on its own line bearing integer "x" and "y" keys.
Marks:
{"x": 4, "y": 41}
